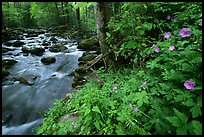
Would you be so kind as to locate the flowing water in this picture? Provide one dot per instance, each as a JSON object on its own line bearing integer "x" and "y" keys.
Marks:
{"x": 23, "y": 106}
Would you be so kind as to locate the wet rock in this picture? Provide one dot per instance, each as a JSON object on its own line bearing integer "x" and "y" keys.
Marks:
{"x": 54, "y": 34}
{"x": 26, "y": 49}
{"x": 7, "y": 43}
{"x": 58, "y": 48}
{"x": 33, "y": 35}
{"x": 89, "y": 44}
{"x": 86, "y": 57}
{"x": 5, "y": 73}
{"x": 19, "y": 38}
{"x": 18, "y": 43}
{"x": 8, "y": 63}
{"x": 25, "y": 54}
{"x": 48, "y": 60}
{"x": 45, "y": 43}
{"x": 4, "y": 49}
{"x": 53, "y": 39}
{"x": 38, "y": 51}
{"x": 23, "y": 80}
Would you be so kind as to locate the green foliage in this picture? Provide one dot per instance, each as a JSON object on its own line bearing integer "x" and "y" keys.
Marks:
{"x": 164, "y": 106}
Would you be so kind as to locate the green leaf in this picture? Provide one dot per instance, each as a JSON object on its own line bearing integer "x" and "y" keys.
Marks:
{"x": 131, "y": 45}
{"x": 120, "y": 132}
{"x": 181, "y": 116}
{"x": 197, "y": 127}
{"x": 87, "y": 111}
{"x": 175, "y": 121}
{"x": 96, "y": 109}
{"x": 108, "y": 34}
{"x": 199, "y": 101}
{"x": 141, "y": 32}
{"x": 186, "y": 67}
{"x": 147, "y": 26}
{"x": 97, "y": 125}
{"x": 61, "y": 131}
{"x": 139, "y": 103}
{"x": 181, "y": 131}
{"x": 138, "y": 27}
{"x": 196, "y": 111}
{"x": 189, "y": 102}
{"x": 60, "y": 124}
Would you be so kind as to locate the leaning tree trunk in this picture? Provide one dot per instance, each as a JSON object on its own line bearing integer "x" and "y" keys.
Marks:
{"x": 101, "y": 20}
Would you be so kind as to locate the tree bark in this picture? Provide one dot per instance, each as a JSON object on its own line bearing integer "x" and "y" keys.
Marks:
{"x": 58, "y": 13}
{"x": 67, "y": 12}
{"x": 101, "y": 20}
{"x": 78, "y": 15}
{"x": 64, "y": 22}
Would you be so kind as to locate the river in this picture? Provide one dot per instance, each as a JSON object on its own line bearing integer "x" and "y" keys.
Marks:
{"x": 23, "y": 106}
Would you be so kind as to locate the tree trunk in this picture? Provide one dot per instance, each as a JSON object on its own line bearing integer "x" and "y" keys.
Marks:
{"x": 86, "y": 16}
{"x": 67, "y": 12}
{"x": 101, "y": 20}
{"x": 58, "y": 13}
{"x": 63, "y": 13}
{"x": 8, "y": 20}
{"x": 78, "y": 15}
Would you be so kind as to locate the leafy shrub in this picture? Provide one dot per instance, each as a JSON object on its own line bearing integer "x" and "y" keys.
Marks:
{"x": 161, "y": 98}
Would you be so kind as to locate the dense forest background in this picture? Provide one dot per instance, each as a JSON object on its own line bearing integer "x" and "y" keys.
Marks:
{"x": 47, "y": 14}
{"x": 151, "y": 78}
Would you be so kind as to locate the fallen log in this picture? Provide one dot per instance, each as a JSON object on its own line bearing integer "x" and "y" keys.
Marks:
{"x": 91, "y": 63}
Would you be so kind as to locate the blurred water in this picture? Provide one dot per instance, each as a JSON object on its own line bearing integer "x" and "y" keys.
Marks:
{"x": 23, "y": 106}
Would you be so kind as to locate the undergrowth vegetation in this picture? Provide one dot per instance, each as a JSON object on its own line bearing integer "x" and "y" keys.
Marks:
{"x": 161, "y": 94}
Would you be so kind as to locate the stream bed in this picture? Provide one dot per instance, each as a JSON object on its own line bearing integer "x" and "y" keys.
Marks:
{"x": 23, "y": 106}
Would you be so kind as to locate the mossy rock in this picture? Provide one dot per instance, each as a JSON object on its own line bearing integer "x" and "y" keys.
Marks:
{"x": 38, "y": 51}
{"x": 33, "y": 35}
{"x": 7, "y": 43}
{"x": 18, "y": 43}
{"x": 53, "y": 39}
{"x": 54, "y": 34}
{"x": 8, "y": 63}
{"x": 89, "y": 44}
{"x": 4, "y": 49}
{"x": 5, "y": 73}
{"x": 48, "y": 60}
{"x": 58, "y": 48}
{"x": 23, "y": 80}
{"x": 87, "y": 57}
{"x": 25, "y": 49}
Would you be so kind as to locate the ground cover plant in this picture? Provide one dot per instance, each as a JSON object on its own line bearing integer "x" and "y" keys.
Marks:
{"x": 159, "y": 91}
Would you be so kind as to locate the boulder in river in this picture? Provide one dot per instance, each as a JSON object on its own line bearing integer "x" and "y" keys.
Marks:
{"x": 38, "y": 51}
{"x": 24, "y": 81}
{"x": 20, "y": 37}
{"x": 18, "y": 43}
{"x": 8, "y": 63}
{"x": 45, "y": 43}
{"x": 58, "y": 48}
{"x": 48, "y": 60}
{"x": 32, "y": 35}
{"x": 25, "y": 49}
{"x": 5, "y": 73}
{"x": 89, "y": 44}
{"x": 53, "y": 39}
{"x": 4, "y": 49}
{"x": 7, "y": 43}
